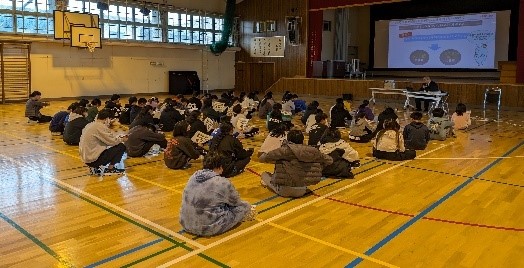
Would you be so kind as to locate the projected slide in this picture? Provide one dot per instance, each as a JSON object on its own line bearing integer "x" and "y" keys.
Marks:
{"x": 458, "y": 41}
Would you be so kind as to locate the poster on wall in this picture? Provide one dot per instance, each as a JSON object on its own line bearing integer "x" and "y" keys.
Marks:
{"x": 268, "y": 46}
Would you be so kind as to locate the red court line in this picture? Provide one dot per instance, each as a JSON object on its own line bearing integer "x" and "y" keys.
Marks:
{"x": 252, "y": 171}
{"x": 427, "y": 218}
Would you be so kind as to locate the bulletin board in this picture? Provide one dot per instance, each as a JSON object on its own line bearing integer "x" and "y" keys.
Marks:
{"x": 268, "y": 46}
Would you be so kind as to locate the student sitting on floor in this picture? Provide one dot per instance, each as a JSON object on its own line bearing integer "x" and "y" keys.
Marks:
{"x": 339, "y": 115}
{"x": 195, "y": 124}
{"x": 461, "y": 117}
{"x": 169, "y": 116}
{"x": 125, "y": 115}
{"x": 77, "y": 123}
{"x": 135, "y": 109}
{"x": 300, "y": 105}
{"x": 389, "y": 143}
{"x": 113, "y": 104}
{"x": 92, "y": 110}
{"x": 209, "y": 112}
{"x": 210, "y": 203}
{"x": 94, "y": 142}
{"x": 387, "y": 114}
{"x": 235, "y": 157}
{"x": 248, "y": 103}
{"x": 59, "y": 120}
{"x": 364, "y": 108}
{"x": 318, "y": 129}
{"x": 416, "y": 134}
{"x": 145, "y": 117}
{"x": 180, "y": 149}
{"x": 274, "y": 118}
{"x": 361, "y": 131}
{"x": 288, "y": 106}
{"x": 238, "y": 120}
{"x": 296, "y": 166}
{"x": 142, "y": 138}
{"x": 311, "y": 109}
{"x": 265, "y": 105}
{"x": 33, "y": 107}
{"x": 344, "y": 156}
{"x": 274, "y": 140}
{"x": 440, "y": 127}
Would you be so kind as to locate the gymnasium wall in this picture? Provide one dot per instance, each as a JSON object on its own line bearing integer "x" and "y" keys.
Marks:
{"x": 250, "y": 11}
{"x": 59, "y": 71}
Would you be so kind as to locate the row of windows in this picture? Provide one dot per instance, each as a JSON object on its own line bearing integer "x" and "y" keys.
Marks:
{"x": 117, "y": 22}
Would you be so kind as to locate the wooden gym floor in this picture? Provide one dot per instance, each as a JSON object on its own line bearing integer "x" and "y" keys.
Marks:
{"x": 459, "y": 204}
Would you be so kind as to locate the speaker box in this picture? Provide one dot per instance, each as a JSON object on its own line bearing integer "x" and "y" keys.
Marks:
{"x": 183, "y": 82}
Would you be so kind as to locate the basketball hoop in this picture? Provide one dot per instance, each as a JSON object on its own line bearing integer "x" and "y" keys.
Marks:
{"x": 90, "y": 46}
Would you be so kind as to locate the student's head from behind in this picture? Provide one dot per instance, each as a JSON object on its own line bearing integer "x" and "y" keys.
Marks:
{"x": 360, "y": 116}
{"x": 214, "y": 161}
{"x": 142, "y": 102}
{"x": 388, "y": 111}
{"x": 81, "y": 111}
{"x": 426, "y": 79}
{"x": 35, "y": 95}
{"x": 208, "y": 102}
{"x": 225, "y": 118}
{"x": 438, "y": 112}
{"x": 461, "y": 109}
{"x": 105, "y": 116}
{"x": 193, "y": 117}
{"x": 276, "y": 111}
{"x": 321, "y": 118}
{"x": 132, "y": 100}
{"x": 416, "y": 116}
{"x": 72, "y": 106}
{"x": 149, "y": 126}
{"x": 279, "y": 131}
{"x": 390, "y": 124}
{"x": 237, "y": 109}
{"x": 269, "y": 95}
{"x": 83, "y": 102}
{"x": 115, "y": 98}
{"x": 294, "y": 96}
{"x": 364, "y": 104}
{"x": 96, "y": 102}
{"x": 295, "y": 136}
{"x": 226, "y": 128}
{"x": 181, "y": 129}
{"x": 330, "y": 135}
{"x": 148, "y": 109}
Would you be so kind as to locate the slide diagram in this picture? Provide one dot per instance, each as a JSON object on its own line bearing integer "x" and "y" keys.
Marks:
{"x": 458, "y": 41}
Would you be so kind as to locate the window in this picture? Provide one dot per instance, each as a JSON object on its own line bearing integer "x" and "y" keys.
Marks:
{"x": 6, "y": 4}
{"x": 6, "y": 23}
{"x": 173, "y": 19}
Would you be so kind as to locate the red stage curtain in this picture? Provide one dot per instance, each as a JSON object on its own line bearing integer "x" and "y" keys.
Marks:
{"x": 520, "y": 50}
{"x": 314, "y": 44}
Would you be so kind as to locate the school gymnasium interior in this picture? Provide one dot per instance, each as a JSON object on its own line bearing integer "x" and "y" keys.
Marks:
{"x": 457, "y": 204}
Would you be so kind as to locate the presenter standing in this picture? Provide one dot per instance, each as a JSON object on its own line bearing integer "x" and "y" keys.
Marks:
{"x": 427, "y": 86}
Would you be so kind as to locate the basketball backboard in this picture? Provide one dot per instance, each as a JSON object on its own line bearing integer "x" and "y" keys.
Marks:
{"x": 64, "y": 19}
{"x": 83, "y": 37}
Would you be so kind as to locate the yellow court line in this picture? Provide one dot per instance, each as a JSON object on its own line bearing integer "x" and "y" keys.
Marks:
{"x": 114, "y": 207}
{"x": 76, "y": 157}
{"x": 358, "y": 254}
{"x": 285, "y": 213}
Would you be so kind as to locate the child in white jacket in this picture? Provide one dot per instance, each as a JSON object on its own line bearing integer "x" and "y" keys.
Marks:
{"x": 344, "y": 156}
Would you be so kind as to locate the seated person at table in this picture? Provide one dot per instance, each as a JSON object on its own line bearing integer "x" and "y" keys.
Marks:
{"x": 416, "y": 134}
{"x": 296, "y": 166}
{"x": 389, "y": 143}
{"x": 427, "y": 86}
{"x": 210, "y": 203}
{"x": 33, "y": 107}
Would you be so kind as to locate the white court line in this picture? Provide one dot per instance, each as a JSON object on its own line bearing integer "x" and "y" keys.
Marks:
{"x": 114, "y": 207}
{"x": 285, "y": 213}
{"x": 469, "y": 158}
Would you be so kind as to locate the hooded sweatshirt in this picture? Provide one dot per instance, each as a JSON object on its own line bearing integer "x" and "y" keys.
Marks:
{"x": 178, "y": 152}
{"x": 138, "y": 137}
{"x": 416, "y": 136}
{"x": 73, "y": 129}
{"x": 296, "y": 165}
{"x": 350, "y": 154}
{"x": 440, "y": 128}
{"x": 211, "y": 205}
{"x": 95, "y": 139}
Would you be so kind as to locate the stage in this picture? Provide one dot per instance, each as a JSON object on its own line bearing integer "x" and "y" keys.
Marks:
{"x": 466, "y": 91}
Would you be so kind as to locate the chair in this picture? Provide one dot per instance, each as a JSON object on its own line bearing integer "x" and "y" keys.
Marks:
{"x": 493, "y": 96}
{"x": 443, "y": 104}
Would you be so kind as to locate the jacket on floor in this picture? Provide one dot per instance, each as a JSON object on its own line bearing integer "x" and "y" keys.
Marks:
{"x": 211, "y": 205}
{"x": 297, "y": 165}
{"x": 178, "y": 152}
{"x": 137, "y": 138}
{"x": 73, "y": 129}
{"x": 416, "y": 136}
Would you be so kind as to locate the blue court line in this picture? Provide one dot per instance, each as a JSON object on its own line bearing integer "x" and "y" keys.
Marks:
{"x": 122, "y": 254}
{"x": 408, "y": 224}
